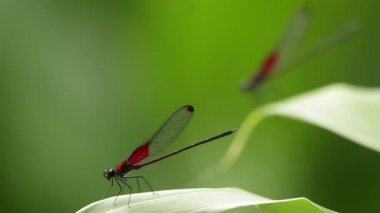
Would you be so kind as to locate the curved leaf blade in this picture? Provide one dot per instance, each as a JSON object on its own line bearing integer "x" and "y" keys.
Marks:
{"x": 199, "y": 200}
{"x": 349, "y": 111}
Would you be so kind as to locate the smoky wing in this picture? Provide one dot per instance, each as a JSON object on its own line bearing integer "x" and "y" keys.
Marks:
{"x": 164, "y": 136}
{"x": 293, "y": 35}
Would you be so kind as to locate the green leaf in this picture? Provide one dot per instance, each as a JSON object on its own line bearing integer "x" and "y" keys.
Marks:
{"x": 200, "y": 200}
{"x": 350, "y": 111}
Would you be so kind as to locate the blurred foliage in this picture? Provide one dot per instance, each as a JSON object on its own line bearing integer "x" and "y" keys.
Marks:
{"x": 83, "y": 83}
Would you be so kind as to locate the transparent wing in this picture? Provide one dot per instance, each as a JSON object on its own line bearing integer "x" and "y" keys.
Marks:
{"x": 331, "y": 40}
{"x": 164, "y": 136}
{"x": 292, "y": 36}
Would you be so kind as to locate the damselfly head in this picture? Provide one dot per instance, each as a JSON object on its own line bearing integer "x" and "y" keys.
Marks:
{"x": 109, "y": 174}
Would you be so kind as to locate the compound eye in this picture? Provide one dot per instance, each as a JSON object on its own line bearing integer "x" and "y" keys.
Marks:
{"x": 106, "y": 173}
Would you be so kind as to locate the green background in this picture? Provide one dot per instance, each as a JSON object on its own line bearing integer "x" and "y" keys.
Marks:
{"x": 82, "y": 83}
